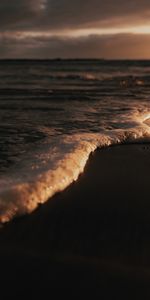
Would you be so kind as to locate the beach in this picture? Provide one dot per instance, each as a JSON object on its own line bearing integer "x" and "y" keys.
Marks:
{"x": 93, "y": 235}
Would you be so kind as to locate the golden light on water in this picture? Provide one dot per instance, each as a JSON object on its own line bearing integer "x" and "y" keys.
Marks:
{"x": 146, "y": 119}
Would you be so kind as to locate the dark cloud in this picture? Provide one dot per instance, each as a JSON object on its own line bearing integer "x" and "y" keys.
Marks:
{"x": 19, "y": 13}
{"x": 96, "y": 12}
{"x": 20, "y": 18}
{"x": 107, "y": 46}
{"x": 58, "y": 14}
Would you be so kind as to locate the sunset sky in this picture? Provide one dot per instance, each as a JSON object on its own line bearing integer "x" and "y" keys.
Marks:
{"x": 80, "y": 28}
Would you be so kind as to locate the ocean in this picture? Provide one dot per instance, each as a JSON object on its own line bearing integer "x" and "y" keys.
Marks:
{"x": 55, "y": 113}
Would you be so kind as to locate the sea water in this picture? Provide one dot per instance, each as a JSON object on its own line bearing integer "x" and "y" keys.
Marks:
{"x": 54, "y": 113}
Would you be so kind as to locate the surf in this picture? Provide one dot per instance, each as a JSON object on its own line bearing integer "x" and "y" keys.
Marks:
{"x": 51, "y": 170}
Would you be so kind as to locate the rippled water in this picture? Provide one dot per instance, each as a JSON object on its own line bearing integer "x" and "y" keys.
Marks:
{"x": 54, "y": 113}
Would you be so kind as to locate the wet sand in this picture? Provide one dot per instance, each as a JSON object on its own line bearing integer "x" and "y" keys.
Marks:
{"x": 94, "y": 235}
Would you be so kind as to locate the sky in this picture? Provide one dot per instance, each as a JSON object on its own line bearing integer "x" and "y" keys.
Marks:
{"x": 111, "y": 29}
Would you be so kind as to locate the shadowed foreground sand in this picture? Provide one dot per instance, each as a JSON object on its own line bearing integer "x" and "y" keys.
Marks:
{"x": 96, "y": 234}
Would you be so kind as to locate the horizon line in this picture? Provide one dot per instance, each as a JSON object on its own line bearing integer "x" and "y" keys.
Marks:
{"x": 76, "y": 58}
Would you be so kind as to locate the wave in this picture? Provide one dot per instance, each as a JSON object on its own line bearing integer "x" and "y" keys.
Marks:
{"x": 46, "y": 172}
{"x": 46, "y": 86}
{"x": 74, "y": 76}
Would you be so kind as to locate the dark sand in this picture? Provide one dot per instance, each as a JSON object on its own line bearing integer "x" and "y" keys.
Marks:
{"x": 96, "y": 234}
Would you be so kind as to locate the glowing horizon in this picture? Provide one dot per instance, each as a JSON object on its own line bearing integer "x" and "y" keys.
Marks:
{"x": 75, "y": 33}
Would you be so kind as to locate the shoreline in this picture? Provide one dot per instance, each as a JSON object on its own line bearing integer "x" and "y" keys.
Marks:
{"x": 96, "y": 233}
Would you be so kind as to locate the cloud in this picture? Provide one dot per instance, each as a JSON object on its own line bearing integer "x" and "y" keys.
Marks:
{"x": 58, "y": 14}
{"x": 96, "y": 12}
{"x": 105, "y": 46}
{"x": 19, "y": 13}
{"x": 28, "y": 28}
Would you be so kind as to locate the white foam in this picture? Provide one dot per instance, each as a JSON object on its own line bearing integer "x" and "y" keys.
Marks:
{"x": 46, "y": 172}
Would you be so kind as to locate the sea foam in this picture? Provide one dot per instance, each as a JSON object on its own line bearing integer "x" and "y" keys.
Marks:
{"x": 50, "y": 170}
{"x": 54, "y": 114}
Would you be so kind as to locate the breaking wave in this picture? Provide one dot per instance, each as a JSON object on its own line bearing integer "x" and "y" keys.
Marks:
{"x": 54, "y": 114}
{"x": 45, "y": 172}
